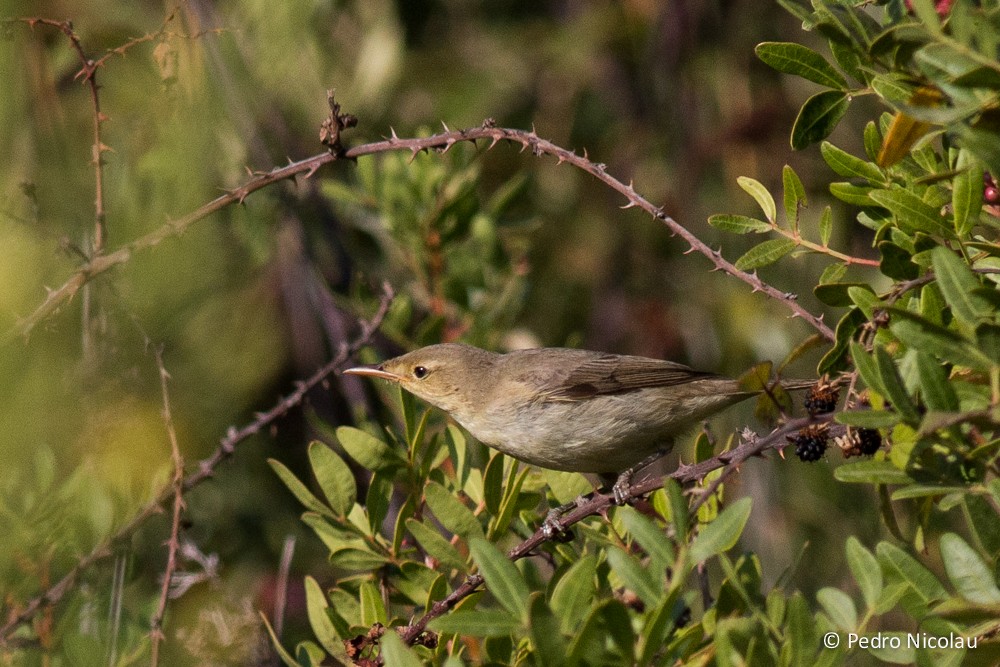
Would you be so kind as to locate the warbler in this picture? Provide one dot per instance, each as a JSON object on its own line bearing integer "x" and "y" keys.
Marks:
{"x": 565, "y": 409}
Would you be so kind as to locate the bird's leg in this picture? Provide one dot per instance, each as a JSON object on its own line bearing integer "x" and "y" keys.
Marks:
{"x": 552, "y": 526}
{"x": 621, "y": 486}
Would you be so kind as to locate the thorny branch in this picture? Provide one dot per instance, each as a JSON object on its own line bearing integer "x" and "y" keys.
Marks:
{"x": 601, "y": 502}
{"x": 173, "y": 543}
{"x": 443, "y": 142}
{"x": 204, "y": 470}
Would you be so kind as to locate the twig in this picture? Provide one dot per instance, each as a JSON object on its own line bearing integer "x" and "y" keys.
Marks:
{"x": 600, "y": 502}
{"x": 205, "y": 469}
{"x": 173, "y": 544}
{"x": 443, "y": 141}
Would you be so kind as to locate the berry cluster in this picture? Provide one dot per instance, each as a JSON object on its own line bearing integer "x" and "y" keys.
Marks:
{"x": 822, "y": 398}
{"x": 810, "y": 442}
{"x": 860, "y": 442}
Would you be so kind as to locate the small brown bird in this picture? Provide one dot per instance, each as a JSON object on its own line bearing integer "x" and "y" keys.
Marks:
{"x": 564, "y": 409}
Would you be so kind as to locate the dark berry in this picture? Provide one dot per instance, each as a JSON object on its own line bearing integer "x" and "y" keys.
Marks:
{"x": 822, "y": 398}
{"x": 869, "y": 441}
{"x": 810, "y": 443}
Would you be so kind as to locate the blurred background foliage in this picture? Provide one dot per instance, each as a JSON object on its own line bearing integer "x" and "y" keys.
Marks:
{"x": 496, "y": 247}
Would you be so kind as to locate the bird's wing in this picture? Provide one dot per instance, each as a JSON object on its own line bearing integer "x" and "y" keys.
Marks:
{"x": 612, "y": 374}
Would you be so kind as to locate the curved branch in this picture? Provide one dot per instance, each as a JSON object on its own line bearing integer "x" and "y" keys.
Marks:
{"x": 443, "y": 141}
{"x": 205, "y": 469}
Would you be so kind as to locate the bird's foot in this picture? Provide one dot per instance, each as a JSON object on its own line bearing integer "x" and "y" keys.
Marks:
{"x": 622, "y": 486}
{"x": 552, "y": 527}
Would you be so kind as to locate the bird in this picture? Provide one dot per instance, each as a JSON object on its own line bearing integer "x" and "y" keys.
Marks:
{"x": 565, "y": 409}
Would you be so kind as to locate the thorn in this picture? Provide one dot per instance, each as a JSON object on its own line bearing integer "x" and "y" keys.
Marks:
{"x": 446, "y": 128}
{"x": 494, "y": 142}
{"x": 392, "y": 132}
{"x": 413, "y": 154}
{"x": 781, "y": 453}
{"x": 630, "y": 204}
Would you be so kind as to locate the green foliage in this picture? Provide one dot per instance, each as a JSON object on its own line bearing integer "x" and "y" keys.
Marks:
{"x": 917, "y": 345}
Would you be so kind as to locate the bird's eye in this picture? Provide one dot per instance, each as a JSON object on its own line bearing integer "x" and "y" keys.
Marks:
{"x": 419, "y": 372}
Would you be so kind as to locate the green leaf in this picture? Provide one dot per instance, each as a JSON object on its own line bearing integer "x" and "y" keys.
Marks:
{"x": 801, "y": 637}
{"x": 634, "y": 576}
{"x": 334, "y": 536}
{"x": 867, "y": 367}
{"x": 357, "y": 559}
{"x": 723, "y": 533}
{"x": 817, "y": 118}
{"x": 515, "y": 480}
{"x": 319, "y": 620}
{"x": 836, "y": 359}
{"x": 871, "y": 472}
{"x": 370, "y": 452}
{"x": 436, "y": 545}
{"x": 574, "y": 592}
{"x": 894, "y": 88}
{"x": 896, "y": 262}
{"x": 847, "y": 165}
{"x": 799, "y": 60}
{"x": 925, "y": 490}
{"x": 982, "y": 520}
{"x": 450, "y": 511}
{"x": 397, "y": 654}
{"x": 763, "y": 198}
{"x": 476, "y": 623}
{"x": 863, "y": 297}
{"x": 873, "y": 140}
{"x": 934, "y": 386}
{"x": 967, "y": 572}
{"x": 911, "y": 212}
{"x": 334, "y": 477}
{"x": 377, "y": 500}
{"x": 919, "y": 333}
{"x": 546, "y": 635}
{"x": 908, "y": 569}
{"x": 372, "y": 607}
{"x": 738, "y": 224}
{"x": 878, "y": 419}
{"x": 967, "y": 192}
{"x": 893, "y": 387}
{"x": 299, "y": 489}
{"x": 493, "y": 483}
{"x": 678, "y": 509}
{"x": 619, "y": 626}
{"x": 765, "y": 253}
{"x": 503, "y": 579}
{"x": 848, "y": 60}
{"x": 839, "y": 607}
{"x": 856, "y": 195}
{"x": 958, "y": 284}
{"x": 865, "y": 568}
{"x": 651, "y": 538}
{"x": 826, "y": 226}
{"x": 794, "y": 196}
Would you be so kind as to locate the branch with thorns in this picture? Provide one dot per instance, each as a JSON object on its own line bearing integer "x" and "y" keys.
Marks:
{"x": 441, "y": 142}
{"x": 599, "y": 503}
{"x": 203, "y": 470}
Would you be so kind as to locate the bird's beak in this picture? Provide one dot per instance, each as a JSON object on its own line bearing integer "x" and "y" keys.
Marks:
{"x": 373, "y": 371}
